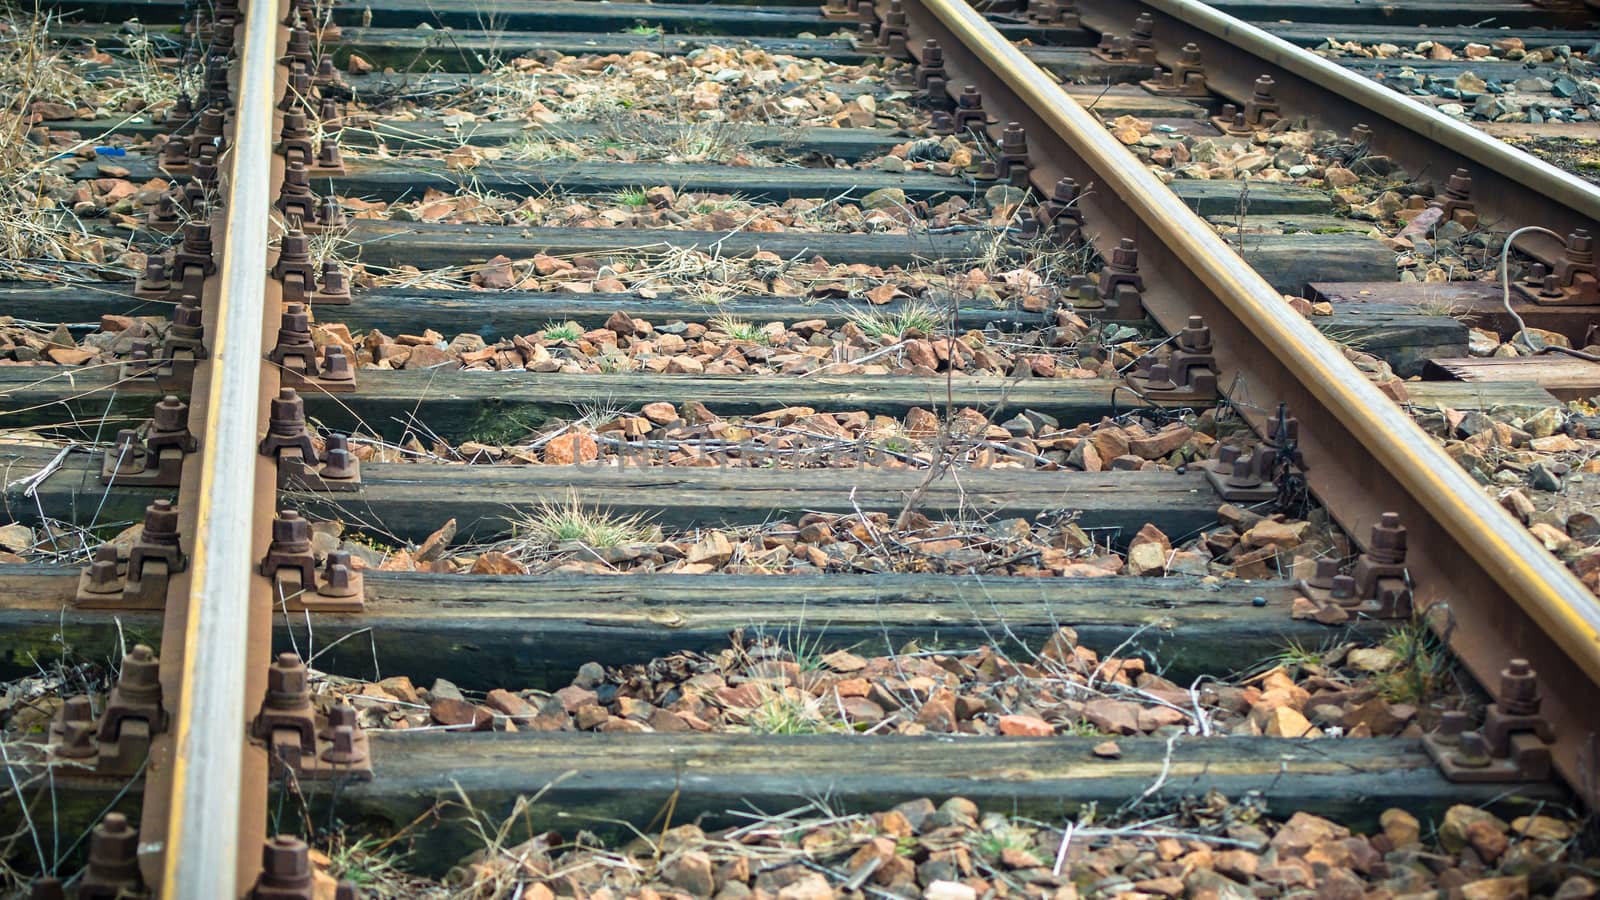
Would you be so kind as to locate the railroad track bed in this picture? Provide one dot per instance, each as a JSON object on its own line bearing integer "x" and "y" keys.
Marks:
{"x": 703, "y": 427}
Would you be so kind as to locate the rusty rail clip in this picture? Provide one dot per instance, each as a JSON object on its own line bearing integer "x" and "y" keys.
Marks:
{"x": 151, "y": 456}
{"x": 119, "y": 742}
{"x": 1260, "y": 112}
{"x": 1186, "y": 79}
{"x": 140, "y": 581}
{"x": 1378, "y": 587}
{"x": 321, "y": 748}
{"x": 292, "y": 565}
{"x": 1513, "y": 745}
{"x": 1238, "y": 477}
{"x": 1119, "y": 277}
{"x": 300, "y": 466}
{"x": 1575, "y": 280}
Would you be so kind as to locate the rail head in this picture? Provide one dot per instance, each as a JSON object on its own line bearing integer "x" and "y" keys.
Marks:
{"x": 1472, "y": 533}
{"x": 201, "y": 856}
{"x": 1512, "y": 188}
{"x": 1534, "y": 174}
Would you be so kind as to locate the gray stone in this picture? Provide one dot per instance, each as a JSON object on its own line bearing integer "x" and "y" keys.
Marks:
{"x": 1543, "y": 479}
{"x": 589, "y": 675}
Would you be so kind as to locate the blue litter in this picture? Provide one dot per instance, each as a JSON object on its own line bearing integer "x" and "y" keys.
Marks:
{"x": 110, "y": 151}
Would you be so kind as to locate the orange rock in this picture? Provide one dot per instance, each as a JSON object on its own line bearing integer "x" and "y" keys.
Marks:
{"x": 573, "y": 447}
{"x": 66, "y": 357}
{"x": 494, "y": 562}
{"x": 1025, "y": 726}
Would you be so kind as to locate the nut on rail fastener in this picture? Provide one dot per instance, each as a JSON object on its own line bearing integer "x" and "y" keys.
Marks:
{"x": 1378, "y": 587}
{"x": 1575, "y": 280}
{"x": 300, "y": 363}
{"x": 329, "y": 162}
{"x": 969, "y": 114}
{"x": 140, "y": 581}
{"x": 295, "y": 198}
{"x": 291, "y": 564}
{"x": 1512, "y": 745}
{"x": 294, "y": 139}
{"x": 1119, "y": 295}
{"x": 1187, "y": 375}
{"x": 1010, "y": 163}
{"x": 165, "y": 215}
{"x": 841, "y": 10}
{"x": 194, "y": 252}
{"x": 153, "y": 283}
{"x": 286, "y": 873}
{"x": 300, "y": 467}
{"x": 1456, "y": 204}
{"x": 1060, "y": 217}
{"x": 172, "y": 367}
{"x": 1260, "y": 112}
{"x": 893, "y": 32}
{"x": 119, "y": 741}
{"x": 1054, "y": 13}
{"x": 314, "y": 747}
{"x": 293, "y": 266}
{"x": 1187, "y": 77}
{"x": 152, "y": 455}
{"x": 931, "y": 78}
{"x": 1241, "y": 478}
{"x": 1138, "y": 46}
{"x": 113, "y": 869}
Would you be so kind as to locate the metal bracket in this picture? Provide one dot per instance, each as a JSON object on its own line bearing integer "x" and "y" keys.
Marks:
{"x": 141, "y": 580}
{"x": 1513, "y": 744}
{"x": 1575, "y": 280}
{"x": 1186, "y": 79}
{"x": 1187, "y": 376}
{"x": 292, "y": 566}
{"x": 313, "y": 747}
{"x": 120, "y": 741}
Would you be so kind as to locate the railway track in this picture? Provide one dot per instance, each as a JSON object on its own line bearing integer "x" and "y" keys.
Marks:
{"x": 750, "y": 417}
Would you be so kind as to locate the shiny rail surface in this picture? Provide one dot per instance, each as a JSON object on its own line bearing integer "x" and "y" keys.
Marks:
{"x": 1364, "y": 454}
{"x": 202, "y": 853}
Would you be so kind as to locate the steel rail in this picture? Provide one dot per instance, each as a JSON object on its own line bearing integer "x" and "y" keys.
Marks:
{"x": 1508, "y": 185}
{"x": 1365, "y": 454}
{"x": 202, "y": 856}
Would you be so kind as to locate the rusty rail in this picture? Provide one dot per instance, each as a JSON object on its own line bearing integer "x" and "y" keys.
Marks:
{"x": 1493, "y": 587}
{"x": 218, "y": 784}
{"x": 1512, "y": 187}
